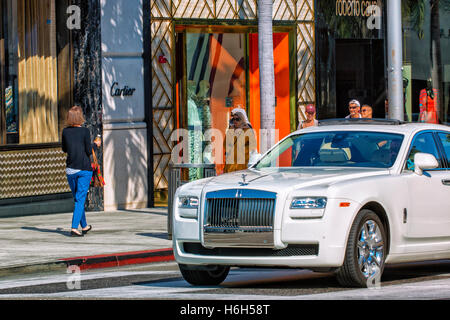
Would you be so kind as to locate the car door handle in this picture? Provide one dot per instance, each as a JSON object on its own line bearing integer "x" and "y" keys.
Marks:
{"x": 446, "y": 182}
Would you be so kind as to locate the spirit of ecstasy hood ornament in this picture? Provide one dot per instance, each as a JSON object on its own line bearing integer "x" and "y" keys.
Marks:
{"x": 243, "y": 183}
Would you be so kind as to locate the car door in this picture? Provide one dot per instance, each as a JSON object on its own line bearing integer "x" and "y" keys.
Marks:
{"x": 428, "y": 214}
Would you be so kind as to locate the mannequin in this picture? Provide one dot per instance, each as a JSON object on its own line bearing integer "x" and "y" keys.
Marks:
{"x": 199, "y": 121}
{"x": 203, "y": 100}
{"x": 194, "y": 126}
{"x": 427, "y": 104}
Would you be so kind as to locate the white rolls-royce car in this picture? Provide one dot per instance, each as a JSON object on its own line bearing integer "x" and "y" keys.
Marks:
{"x": 337, "y": 197}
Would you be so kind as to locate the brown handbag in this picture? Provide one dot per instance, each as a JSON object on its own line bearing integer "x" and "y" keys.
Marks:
{"x": 97, "y": 178}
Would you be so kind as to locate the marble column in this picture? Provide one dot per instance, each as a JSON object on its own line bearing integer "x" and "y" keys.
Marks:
{"x": 88, "y": 80}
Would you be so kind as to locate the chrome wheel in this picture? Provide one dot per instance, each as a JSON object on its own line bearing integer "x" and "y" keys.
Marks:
{"x": 365, "y": 252}
{"x": 370, "y": 249}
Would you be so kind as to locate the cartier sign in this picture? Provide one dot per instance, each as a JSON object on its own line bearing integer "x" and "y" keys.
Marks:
{"x": 117, "y": 91}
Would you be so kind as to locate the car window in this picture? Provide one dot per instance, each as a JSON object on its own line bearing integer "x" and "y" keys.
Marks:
{"x": 335, "y": 148}
{"x": 423, "y": 142}
{"x": 445, "y": 139}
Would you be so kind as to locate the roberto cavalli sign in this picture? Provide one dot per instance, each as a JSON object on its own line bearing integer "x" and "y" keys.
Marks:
{"x": 361, "y": 8}
{"x": 356, "y": 8}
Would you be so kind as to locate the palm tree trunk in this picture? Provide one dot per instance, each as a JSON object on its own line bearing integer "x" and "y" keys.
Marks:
{"x": 266, "y": 74}
{"x": 436, "y": 60}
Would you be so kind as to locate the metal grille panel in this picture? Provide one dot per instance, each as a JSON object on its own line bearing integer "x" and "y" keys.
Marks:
{"x": 235, "y": 213}
{"x": 283, "y": 10}
{"x": 305, "y": 66}
{"x": 290, "y": 251}
{"x": 200, "y": 9}
{"x": 161, "y": 9}
{"x": 305, "y": 10}
{"x": 239, "y": 218}
{"x": 37, "y": 172}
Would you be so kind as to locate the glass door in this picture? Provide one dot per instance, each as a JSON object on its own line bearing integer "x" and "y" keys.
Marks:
{"x": 360, "y": 77}
{"x": 215, "y": 85}
{"x": 220, "y": 72}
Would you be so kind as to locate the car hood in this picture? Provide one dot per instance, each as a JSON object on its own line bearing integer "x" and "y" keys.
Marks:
{"x": 275, "y": 179}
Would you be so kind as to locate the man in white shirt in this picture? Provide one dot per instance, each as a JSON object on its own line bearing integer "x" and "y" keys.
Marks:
{"x": 354, "y": 108}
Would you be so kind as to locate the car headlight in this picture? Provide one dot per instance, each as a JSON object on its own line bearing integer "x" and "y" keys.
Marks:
{"x": 188, "y": 207}
{"x": 188, "y": 202}
{"x": 309, "y": 203}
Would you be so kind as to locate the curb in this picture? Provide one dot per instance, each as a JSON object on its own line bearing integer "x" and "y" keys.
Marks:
{"x": 93, "y": 262}
{"x": 52, "y": 266}
{"x": 120, "y": 259}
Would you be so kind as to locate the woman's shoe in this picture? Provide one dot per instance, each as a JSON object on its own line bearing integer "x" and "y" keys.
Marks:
{"x": 87, "y": 230}
{"x": 75, "y": 234}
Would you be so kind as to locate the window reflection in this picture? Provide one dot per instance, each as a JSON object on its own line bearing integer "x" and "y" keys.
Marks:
{"x": 335, "y": 149}
{"x": 423, "y": 142}
{"x": 216, "y": 83}
{"x": 426, "y": 40}
{"x": 30, "y": 89}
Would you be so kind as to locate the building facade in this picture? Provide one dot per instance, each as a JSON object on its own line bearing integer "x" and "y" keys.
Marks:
{"x": 47, "y": 65}
{"x": 141, "y": 69}
{"x": 205, "y": 63}
{"x": 352, "y": 55}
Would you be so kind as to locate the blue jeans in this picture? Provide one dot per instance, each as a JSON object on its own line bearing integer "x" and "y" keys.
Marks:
{"x": 79, "y": 184}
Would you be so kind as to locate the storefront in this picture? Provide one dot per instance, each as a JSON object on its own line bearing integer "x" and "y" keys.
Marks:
{"x": 205, "y": 63}
{"x": 327, "y": 52}
{"x": 60, "y": 53}
{"x": 143, "y": 68}
{"x": 352, "y": 61}
{"x": 426, "y": 41}
{"x": 43, "y": 73}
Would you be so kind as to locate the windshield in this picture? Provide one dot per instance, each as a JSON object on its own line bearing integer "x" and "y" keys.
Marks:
{"x": 336, "y": 148}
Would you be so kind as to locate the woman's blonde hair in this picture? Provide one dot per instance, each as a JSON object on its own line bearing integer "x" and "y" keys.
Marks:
{"x": 75, "y": 117}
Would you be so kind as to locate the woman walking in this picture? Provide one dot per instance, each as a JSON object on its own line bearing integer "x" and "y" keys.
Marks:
{"x": 76, "y": 142}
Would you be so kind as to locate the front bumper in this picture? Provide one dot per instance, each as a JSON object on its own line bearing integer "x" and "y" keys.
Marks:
{"x": 298, "y": 243}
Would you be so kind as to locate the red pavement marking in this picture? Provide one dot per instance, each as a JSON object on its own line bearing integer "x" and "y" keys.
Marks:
{"x": 120, "y": 259}
{"x": 117, "y": 254}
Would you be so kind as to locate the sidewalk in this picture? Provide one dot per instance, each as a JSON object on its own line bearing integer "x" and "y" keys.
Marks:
{"x": 43, "y": 242}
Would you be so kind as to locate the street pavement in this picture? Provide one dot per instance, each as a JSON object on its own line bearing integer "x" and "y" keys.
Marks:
{"x": 43, "y": 242}
{"x": 40, "y": 243}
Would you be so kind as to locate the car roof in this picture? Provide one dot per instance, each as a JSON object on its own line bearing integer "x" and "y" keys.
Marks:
{"x": 405, "y": 128}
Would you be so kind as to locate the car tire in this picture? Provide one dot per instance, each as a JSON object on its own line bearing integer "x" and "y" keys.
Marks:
{"x": 365, "y": 252}
{"x": 204, "y": 277}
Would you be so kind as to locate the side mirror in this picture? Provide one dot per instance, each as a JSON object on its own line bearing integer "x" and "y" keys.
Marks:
{"x": 424, "y": 161}
{"x": 254, "y": 158}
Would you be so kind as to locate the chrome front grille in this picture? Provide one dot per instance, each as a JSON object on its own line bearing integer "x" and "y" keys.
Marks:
{"x": 239, "y": 217}
{"x": 235, "y": 213}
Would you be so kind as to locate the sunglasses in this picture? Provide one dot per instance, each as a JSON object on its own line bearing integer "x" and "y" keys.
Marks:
{"x": 235, "y": 119}
{"x": 354, "y": 107}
